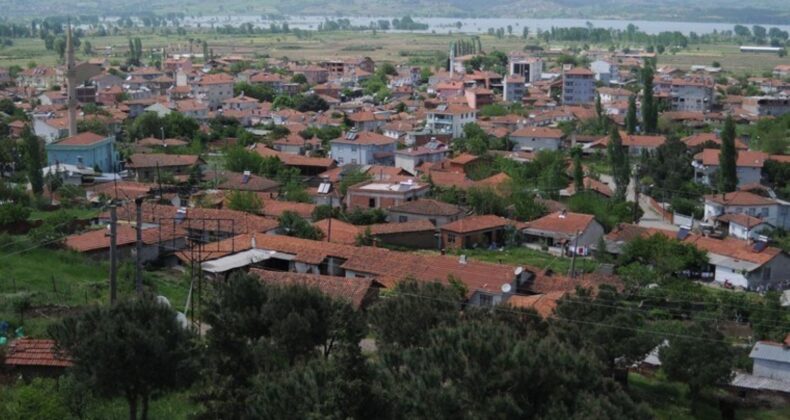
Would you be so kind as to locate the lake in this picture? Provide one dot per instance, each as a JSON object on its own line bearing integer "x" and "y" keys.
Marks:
{"x": 474, "y": 25}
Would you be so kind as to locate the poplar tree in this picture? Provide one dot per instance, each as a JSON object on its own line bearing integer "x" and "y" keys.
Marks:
{"x": 618, "y": 158}
{"x": 728, "y": 158}
{"x": 630, "y": 117}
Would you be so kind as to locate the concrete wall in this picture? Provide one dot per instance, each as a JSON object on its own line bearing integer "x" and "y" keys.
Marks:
{"x": 771, "y": 369}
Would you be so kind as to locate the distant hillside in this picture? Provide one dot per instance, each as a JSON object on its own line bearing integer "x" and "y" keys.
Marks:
{"x": 757, "y": 11}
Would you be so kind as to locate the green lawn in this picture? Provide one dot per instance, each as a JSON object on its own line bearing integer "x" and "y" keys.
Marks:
{"x": 522, "y": 255}
{"x": 669, "y": 400}
{"x": 72, "y": 213}
{"x": 60, "y": 283}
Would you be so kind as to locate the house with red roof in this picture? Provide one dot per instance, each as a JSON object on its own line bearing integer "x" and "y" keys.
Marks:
{"x": 36, "y": 357}
{"x": 764, "y": 209}
{"x": 148, "y": 167}
{"x": 87, "y": 150}
{"x": 213, "y": 89}
{"x": 749, "y": 166}
{"x": 364, "y": 148}
{"x": 570, "y": 232}
{"x": 384, "y": 194}
{"x": 480, "y": 231}
{"x": 537, "y": 138}
{"x": 437, "y": 212}
{"x": 360, "y": 293}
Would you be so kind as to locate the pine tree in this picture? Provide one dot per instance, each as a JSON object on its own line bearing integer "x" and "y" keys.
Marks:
{"x": 630, "y": 117}
{"x": 728, "y": 158}
{"x": 618, "y": 158}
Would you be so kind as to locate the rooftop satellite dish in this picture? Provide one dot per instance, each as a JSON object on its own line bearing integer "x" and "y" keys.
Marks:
{"x": 518, "y": 270}
{"x": 506, "y": 288}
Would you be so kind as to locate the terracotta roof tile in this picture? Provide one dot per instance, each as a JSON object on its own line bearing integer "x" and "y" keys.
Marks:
{"x": 427, "y": 207}
{"x": 562, "y": 222}
{"x": 35, "y": 352}
{"x": 82, "y": 139}
{"x": 353, "y": 290}
{"x": 150, "y": 160}
{"x": 477, "y": 223}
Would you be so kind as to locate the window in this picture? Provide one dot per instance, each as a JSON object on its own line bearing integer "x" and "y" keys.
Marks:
{"x": 486, "y": 300}
{"x": 353, "y": 148}
{"x": 751, "y": 211}
{"x": 764, "y": 212}
{"x": 450, "y": 238}
{"x": 403, "y": 219}
{"x": 372, "y": 202}
{"x": 766, "y": 273}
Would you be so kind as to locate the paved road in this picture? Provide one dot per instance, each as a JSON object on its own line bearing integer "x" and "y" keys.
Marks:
{"x": 650, "y": 217}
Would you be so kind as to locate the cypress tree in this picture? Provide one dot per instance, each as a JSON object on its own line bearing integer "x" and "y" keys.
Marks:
{"x": 728, "y": 158}
{"x": 618, "y": 158}
{"x": 649, "y": 107}
{"x": 630, "y": 117}
{"x": 34, "y": 161}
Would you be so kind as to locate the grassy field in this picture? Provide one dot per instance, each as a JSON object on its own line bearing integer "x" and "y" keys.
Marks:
{"x": 59, "y": 283}
{"x": 522, "y": 256}
{"x": 390, "y": 47}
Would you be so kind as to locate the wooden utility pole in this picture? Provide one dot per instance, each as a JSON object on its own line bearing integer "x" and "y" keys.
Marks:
{"x": 113, "y": 253}
{"x": 572, "y": 274}
{"x": 138, "y": 272}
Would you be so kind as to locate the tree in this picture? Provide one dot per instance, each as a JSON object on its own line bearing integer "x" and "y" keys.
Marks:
{"x": 87, "y": 48}
{"x": 612, "y": 330}
{"x": 294, "y": 225}
{"x": 406, "y": 317}
{"x": 603, "y": 120}
{"x": 471, "y": 369}
{"x": 631, "y": 120}
{"x": 621, "y": 168}
{"x": 667, "y": 256}
{"x": 485, "y": 200}
{"x": 728, "y": 158}
{"x": 578, "y": 170}
{"x": 698, "y": 356}
{"x": 649, "y": 106}
{"x": 34, "y": 161}
{"x": 246, "y": 201}
{"x": 266, "y": 334}
{"x": 135, "y": 349}
{"x": 352, "y": 177}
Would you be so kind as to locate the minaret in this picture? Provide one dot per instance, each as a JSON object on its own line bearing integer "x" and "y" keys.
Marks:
{"x": 71, "y": 81}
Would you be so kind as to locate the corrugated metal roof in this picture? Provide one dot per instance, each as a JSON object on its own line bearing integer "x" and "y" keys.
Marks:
{"x": 770, "y": 351}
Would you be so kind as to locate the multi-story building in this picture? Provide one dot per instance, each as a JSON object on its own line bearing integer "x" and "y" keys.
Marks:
{"x": 605, "y": 72}
{"x": 411, "y": 158}
{"x": 693, "y": 94}
{"x": 213, "y": 89}
{"x": 537, "y": 138}
{"x": 449, "y": 119}
{"x": 578, "y": 86}
{"x": 513, "y": 89}
{"x": 363, "y": 148}
{"x": 768, "y": 210}
{"x": 530, "y": 68}
{"x": 762, "y": 106}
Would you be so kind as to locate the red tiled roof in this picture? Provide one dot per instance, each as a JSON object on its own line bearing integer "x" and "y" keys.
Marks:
{"x": 387, "y": 266}
{"x": 216, "y": 79}
{"x": 477, "y": 223}
{"x": 566, "y": 223}
{"x": 342, "y": 232}
{"x": 235, "y": 181}
{"x": 126, "y": 235}
{"x": 538, "y": 132}
{"x": 150, "y": 160}
{"x": 35, "y": 352}
{"x": 366, "y": 138}
{"x": 82, "y": 139}
{"x": 276, "y": 208}
{"x": 403, "y": 227}
{"x": 740, "y": 219}
{"x": 427, "y": 207}
{"x": 740, "y": 198}
{"x": 579, "y": 71}
{"x": 543, "y": 304}
{"x": 746, "y": 158}
{"x": 353, "y": 290}
{"x": 464, "y": 158}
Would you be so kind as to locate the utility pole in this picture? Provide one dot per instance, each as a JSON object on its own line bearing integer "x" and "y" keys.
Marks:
{"x": 636, "y": 193}
{"x": 138, "y": 272}
{"x": 572, "y": 274}
{"x": 331, "y": 215}
{"x": 113, "y": 253}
